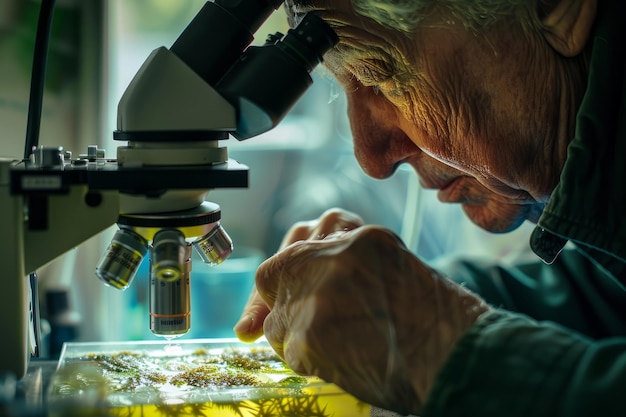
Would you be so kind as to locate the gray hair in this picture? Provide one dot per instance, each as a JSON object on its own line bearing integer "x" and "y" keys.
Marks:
{"x": 406, "y": 15}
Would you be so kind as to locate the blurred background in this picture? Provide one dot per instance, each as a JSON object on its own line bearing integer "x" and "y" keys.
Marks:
{"x": 298, "y": 170}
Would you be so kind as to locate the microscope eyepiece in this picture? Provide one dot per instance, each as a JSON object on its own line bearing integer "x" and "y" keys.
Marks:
{"x": 308, "y": 41}
{"x": 267, "y": 81}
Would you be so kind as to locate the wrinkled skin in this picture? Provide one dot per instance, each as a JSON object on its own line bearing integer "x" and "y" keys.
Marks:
{"x": 486, "y": 119}
{"x": 250, "y": 327}
{"x": 450, "y": 103}
{"x": 352, "y": 305}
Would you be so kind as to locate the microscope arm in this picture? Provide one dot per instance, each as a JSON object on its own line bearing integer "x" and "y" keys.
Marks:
{"x": 76, "y": 218}
{"x": 56, "y": 223}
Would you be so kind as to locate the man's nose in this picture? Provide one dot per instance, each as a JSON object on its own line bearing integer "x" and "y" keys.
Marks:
{"x": 379, "y": 144}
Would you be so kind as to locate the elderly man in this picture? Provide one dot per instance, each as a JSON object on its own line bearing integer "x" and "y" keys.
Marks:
{"x": 516, "y": 110}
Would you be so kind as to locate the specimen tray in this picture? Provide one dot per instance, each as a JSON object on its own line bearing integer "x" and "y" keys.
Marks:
{"x": 202, "y": 377}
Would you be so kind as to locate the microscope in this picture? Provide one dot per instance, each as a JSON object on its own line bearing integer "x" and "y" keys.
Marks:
{"x": 209, "y": 85}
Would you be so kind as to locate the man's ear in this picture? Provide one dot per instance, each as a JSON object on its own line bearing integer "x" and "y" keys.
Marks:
{"x": 566, "y": 28}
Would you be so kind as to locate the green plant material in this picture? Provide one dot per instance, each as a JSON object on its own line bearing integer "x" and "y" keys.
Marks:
{"x": 201, "y": 383}
{"x": 294, "y": 407}
{"x": 293, "y": 380}
{"x": 128, "y": 370}
{"x": 210, "y": 376}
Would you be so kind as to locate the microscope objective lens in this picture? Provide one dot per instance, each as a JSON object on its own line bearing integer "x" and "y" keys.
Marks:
{"x": 120, "y": 262}
{"x": 168, "y": 254}
{"x": 170, "y": 300}
{"x": 214, "y": 247}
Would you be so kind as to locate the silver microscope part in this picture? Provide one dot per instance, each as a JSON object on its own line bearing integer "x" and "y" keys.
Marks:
{"x": 168, "y": 254}
{"x": 120, "y": 262}
{"x": 48, "y": 157}
{"x": 170, "y": 302}
{"x": 215, "y": 246}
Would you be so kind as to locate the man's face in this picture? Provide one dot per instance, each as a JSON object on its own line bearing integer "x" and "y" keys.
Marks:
{"x": 474, "y": 114}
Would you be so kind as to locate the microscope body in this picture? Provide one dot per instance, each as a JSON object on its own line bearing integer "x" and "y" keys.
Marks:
{"x": 182, "y": 102}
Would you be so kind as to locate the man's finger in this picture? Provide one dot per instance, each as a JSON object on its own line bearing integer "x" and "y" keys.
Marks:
{"x": 250, "y": 326}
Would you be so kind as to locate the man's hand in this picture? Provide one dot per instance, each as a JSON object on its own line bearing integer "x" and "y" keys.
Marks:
{"x": 356, "y": 308}
{"x": 250, "y": 325}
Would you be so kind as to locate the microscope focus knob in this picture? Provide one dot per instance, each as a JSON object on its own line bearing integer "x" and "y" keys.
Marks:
{"x": 93, "y": 153}
{"x": 49, "y": 157}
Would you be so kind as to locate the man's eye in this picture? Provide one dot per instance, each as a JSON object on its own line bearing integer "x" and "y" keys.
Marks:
{"x": 372, "y": 72}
